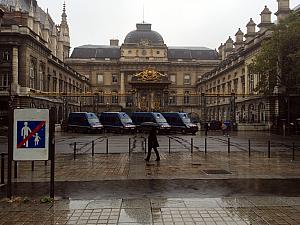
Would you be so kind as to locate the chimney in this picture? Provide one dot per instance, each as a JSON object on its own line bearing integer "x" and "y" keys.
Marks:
{"x": 221, "y": 51}
{"x": 265, "y": 20}
{"x": 283, "y": 9}
{"x": 228, "y": 47}
{"x": 239, "y": 39}
{"x": 251, "y": 33}
{"x": 114, "y": 42}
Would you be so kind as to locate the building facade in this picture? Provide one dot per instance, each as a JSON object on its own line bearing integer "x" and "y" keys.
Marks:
{"x": 143, "y": 73}
{"x": 32, "y": 54}
{"x": 229, "y": 90}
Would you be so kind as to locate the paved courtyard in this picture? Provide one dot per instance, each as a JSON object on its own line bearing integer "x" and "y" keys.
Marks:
{"x": 185, "y": 187}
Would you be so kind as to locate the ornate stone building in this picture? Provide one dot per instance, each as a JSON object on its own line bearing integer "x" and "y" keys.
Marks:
{"x": 143, "y": 73}
{"x": 32, "y": 54}
{"x": 228, "y": 91}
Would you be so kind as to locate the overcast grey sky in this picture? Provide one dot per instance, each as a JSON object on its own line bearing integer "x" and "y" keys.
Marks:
{"x": 180, "y": 22}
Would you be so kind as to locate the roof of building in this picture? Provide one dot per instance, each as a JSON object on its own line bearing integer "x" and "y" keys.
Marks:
{"x": 25, "y": 7}
{"x": 190, "y": 53}
{"x": 96, "y": 51}
{"x": 297, "y": 8}
{"x": 114, "y": 52}
{"x": 142, "y": 33}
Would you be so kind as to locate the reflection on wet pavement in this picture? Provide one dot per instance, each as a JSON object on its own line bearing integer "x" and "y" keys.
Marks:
{"x": 179, "y": 165}
{"x": 255, "y": 210}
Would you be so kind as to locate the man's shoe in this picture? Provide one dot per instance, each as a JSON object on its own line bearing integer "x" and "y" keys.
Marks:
{"x": 147, "y": 160}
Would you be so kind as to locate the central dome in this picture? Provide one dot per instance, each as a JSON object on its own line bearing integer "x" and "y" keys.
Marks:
{"x": 144, "y": 34}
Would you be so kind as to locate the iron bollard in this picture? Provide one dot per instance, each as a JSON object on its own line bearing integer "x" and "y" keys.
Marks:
{"x": 129, "y": 146}
{"x": 93, "y": 148}
{"x": 192, "y": 145}
{"x": 293, "y": 151}
{"x": 228, "y": 145}
{"x": 46, "y": 162}
{"x": 106, "y": 145}
{"x": 249, "y": 147}
{"x": 32, "y": 165}
{"x": 2, "y": 168}
{"x": 205, "y": 145}
{"x": 74, "y": 156}
{"x": 169, "y": 145}
{"x": 269, "y": 149}
{"x": 16, "y": 170}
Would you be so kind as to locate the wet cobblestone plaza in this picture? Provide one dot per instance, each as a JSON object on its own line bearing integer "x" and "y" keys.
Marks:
{"x": 183, "y": 188}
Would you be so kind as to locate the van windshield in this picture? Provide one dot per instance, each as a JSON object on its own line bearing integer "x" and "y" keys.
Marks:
{"x": 125, "y": 118}
{"x": 185, "y": 118}
{"x": 92, "y": 118}
{"x": 159, "y": 118}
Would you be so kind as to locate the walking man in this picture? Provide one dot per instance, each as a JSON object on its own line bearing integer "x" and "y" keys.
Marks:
{"x": 152, "y": 143}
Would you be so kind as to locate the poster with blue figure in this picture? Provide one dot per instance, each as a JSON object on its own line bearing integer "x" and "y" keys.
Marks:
{"x": 31, "y": 134}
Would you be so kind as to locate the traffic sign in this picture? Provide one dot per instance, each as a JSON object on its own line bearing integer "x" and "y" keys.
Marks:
{"x": 31, "y": 134}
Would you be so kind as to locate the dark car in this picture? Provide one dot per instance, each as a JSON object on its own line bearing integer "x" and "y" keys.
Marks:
{"x": 118, "y": 122}
{"x": 83, "y": 122}
{"x": 215, "y": 125}
{"x": 139, "y": 118}
{"x": 180, "y": 122}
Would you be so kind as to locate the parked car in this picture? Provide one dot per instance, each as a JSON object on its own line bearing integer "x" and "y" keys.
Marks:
{"x": 118, "y": 122}
{"x": 229, "y": 124}
{"x": 180, "y": 122}
{"x": 83, "y": 122}
{"x": 139, "y": 118}
{"x": 215, "y": 125}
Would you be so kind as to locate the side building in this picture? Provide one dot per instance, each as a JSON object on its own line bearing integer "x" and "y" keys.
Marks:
{"x": 32, "y": 54}
{"x": 229, "y": 90}
{"x": 143, "y": 73}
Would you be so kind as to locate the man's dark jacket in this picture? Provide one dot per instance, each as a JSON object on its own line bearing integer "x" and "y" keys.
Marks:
{"x": 152, "y": 140}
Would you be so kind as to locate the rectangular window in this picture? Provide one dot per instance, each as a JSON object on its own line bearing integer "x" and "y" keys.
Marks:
{"x": 129, "y": 77}
{"x": 235, "y": 85}
{"x": 101, "y": 97}
{"x": 42, "y": 76}
{"x": 32, "y": 74}
{"x": 187, "y": 79}
{"x": 173, "y": 79}
{"x": 251, "y": 83}
{"x": 243, "y": 84}
{"x": 3, "y": 81}
{"x": 6, "y": 56}
{"x": 100, "y": 79}
{"x": 54, "y": 84}
{"x": 229, "y": 87}
{"x": 172, "y": 98}
{"x": 114, "y": 78}
{"x": 186, "y": 99}
{"x": 114, "y": 98}
{"x": 48, "y": 83}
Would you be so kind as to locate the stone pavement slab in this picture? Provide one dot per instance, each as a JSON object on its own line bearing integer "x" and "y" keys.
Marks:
{"x": 155, "y": 211}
